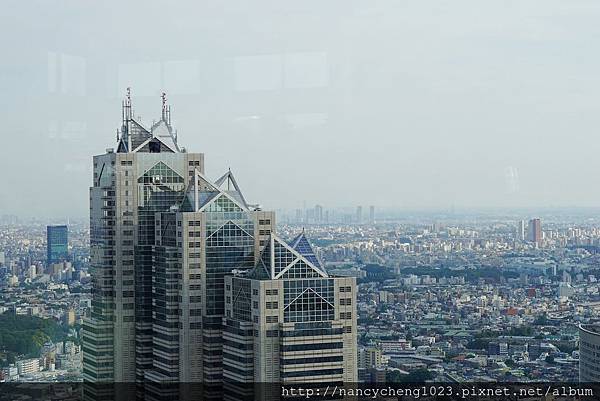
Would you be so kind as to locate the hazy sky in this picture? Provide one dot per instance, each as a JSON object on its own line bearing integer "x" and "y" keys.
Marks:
{"x": 414, "y": 104}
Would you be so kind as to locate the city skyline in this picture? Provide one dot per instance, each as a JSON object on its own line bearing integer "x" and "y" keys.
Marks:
{"x": 221, "y": 200}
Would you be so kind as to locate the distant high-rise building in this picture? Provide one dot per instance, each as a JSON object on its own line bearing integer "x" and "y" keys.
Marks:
{"x": 372, "y": 214}
{"x": 359, "y": 214}
{"x": 535, "y": 231}
{"x": 57, "y": 239}
{"x": 289, "y": 321}
{"x": 521, "y": 230}
{"x": 319, "y": 214}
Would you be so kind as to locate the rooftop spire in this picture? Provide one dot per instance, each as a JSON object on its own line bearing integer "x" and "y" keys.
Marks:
{"x": 127, "y": 115}
{"x": 166, "y": 109}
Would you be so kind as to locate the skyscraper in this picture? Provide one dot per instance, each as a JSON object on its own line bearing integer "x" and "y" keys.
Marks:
{"x": 288, "y": 320}
{"x": 371, "y": 214}
{"x": 148, "y": 173}
{"x": 535, "y": 231}
{"x": 165, "y": 241}
{"x": 319, "y": 214}
{"x": 359, "y": 214}
{"x": 57, "y": 242}
{"x": 211, "y": 234}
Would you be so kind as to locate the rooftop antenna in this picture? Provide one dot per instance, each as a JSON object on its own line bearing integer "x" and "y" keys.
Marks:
{"x": 165, "y": 108}
{"x": 127, "y": 115}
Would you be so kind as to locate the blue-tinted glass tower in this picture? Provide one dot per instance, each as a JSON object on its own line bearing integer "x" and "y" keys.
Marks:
{"x": 58, "y": 242}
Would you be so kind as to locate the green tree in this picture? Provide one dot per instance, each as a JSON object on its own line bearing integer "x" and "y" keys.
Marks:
{"x": 24, "y": 335}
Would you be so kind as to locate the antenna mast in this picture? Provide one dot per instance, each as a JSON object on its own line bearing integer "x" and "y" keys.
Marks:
{"x": 165, "y": 108}
{"x": 127, "y": 117}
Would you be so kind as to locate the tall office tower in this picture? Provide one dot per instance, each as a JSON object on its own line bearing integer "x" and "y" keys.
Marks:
{"x": 57, "y": 242}
{"x": 148, "y": 173}
{"x": 289, "y": 321}
{"x": 359, "y": 214}
{"x": 521, "y": 230}
{"x": 589, "y": 360}
{"x": 535, "y": 231}
{"x": 372, "y": 214}
{"x": 213, "y": 233}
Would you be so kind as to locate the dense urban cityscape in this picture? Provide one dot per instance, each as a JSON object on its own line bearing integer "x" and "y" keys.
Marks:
{"x": 442, "y": 297}
{"x": 266, "y": 200}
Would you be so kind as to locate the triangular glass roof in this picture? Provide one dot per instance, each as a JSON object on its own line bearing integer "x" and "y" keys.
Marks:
{"x": 203, "y": 199}
{"x": 138, "y": 134}
{"x": 309, "y": 306}
{"x": 223, "y": 204}
{"x": 300, "y": 270}
{"x": 211, "y": 198}
{"x": 301, "y": 244}
{"x": 160, "y": 173}
{"x": 223, "y": 235}
{"x": 286, "y": 257}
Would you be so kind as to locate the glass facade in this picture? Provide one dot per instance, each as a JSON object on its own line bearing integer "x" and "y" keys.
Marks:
{"x": 159, "y": 188}
{"x": 309, "y": 300}
{"x": 229, "y": 246}
{"x": 242, "y": 300}
{"x": 57, "y": 244}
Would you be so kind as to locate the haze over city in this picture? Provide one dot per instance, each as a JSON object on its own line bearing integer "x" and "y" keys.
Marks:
{"x": 270, "y": 200}
{"x": 399, "y": 104}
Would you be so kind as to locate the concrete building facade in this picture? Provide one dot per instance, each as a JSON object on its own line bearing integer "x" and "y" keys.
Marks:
{"x": 288, "y": 321}
{"x": 589, "y": 353}
{"x": 148, "y": 173}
